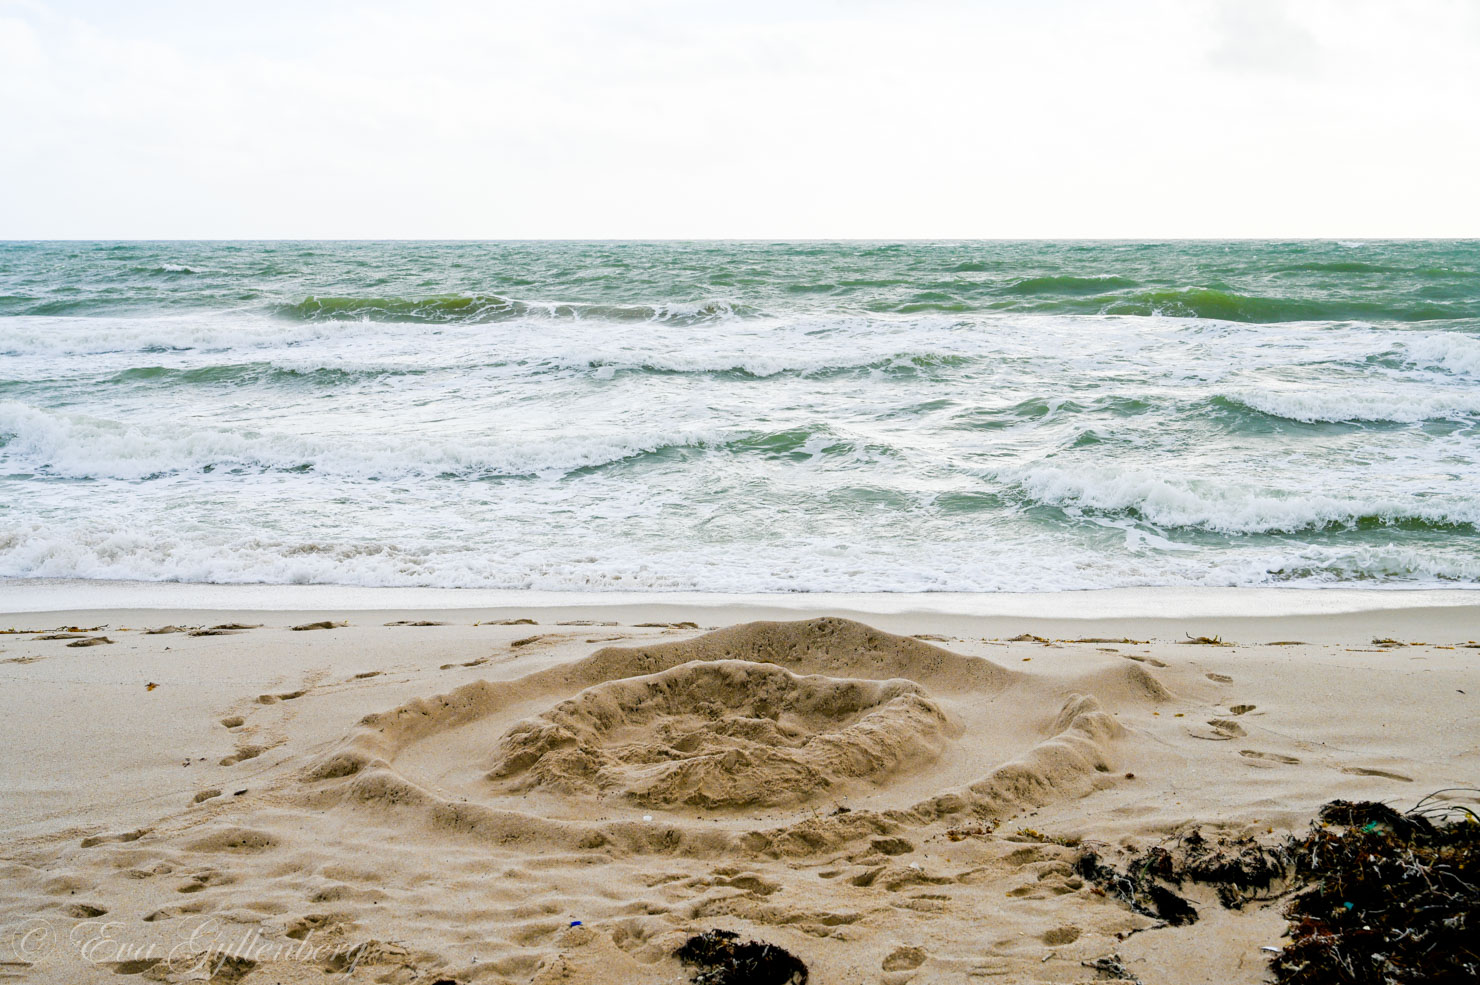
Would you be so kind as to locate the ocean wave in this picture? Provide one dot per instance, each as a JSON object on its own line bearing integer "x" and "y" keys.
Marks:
{"x": 158, "y": 334}
{"x": 1066, "y": 284}
{"x": 80, "y": 447}
{"x": 482, "y": 308}
{"x": 1342, "y": 267}
{"x": 907, "y": 362}
{"x": 330, "y": 370}
{"x": 1229, "y": 507}
{"x": 1038, "y": 409}
{"x": 167, "y": 270}
{"x": 1450, "y": 352}
{"x": 94, "y": 549}
{"x": 1225, "y": 305}
{"x": 242, "y": 374}
{"x": 1352, "y": 405}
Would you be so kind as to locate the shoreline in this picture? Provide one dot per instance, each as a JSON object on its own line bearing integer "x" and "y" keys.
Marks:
{"x": 36, "y": 595}
{"x": 1167, "y": 614}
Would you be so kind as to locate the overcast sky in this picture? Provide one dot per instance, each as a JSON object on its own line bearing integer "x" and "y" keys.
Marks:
{"x": 755, "y": 118}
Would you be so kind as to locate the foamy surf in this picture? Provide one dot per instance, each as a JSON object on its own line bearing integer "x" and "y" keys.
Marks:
{"x": 935, "y": 417}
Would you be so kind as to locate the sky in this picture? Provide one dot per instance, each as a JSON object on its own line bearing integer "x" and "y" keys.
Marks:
{"x": 634, "y": 119}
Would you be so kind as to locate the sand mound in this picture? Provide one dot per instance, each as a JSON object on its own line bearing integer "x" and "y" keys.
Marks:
{"x": 754, "y": 721}
{"x": 724, "y": 734}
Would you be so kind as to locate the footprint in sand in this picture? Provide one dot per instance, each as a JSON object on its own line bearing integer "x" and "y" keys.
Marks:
{"x": 1220, "y": 730}
{"x": 904, "y": 958}
{"x": 1066, "y": 934}
{"x": 1384, "y": 774}
{"x": 1240, "y": 709}
{"x": 136, "y": 966}
{"x": 233, "y": 721}
{"x": 84, "y": 911}
{"x": 242, "y": 754}
{"x": 1138, "y": 658}
{"x": 892, "y": 846}
{"x": 1271, "y": 757}
{"x": 125, "y": 837}
{"x": 1220, "y": 678}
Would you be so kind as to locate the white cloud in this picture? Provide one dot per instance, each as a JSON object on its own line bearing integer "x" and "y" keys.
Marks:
{"x": 1263, "y": 35}
{"x": 663, "y": 118}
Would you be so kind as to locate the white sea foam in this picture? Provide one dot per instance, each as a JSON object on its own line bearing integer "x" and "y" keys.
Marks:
{"x": 76, "y": 446}
{"x": 1361, "y": 404}
{"x": 1230, "y": 503}
{"x": 808, "y": 565}
{"x": 1448, "y": 351}
{"x": 815, "y": 450}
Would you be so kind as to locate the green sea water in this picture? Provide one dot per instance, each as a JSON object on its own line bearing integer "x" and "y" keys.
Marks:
{"x": 919, "y": 416}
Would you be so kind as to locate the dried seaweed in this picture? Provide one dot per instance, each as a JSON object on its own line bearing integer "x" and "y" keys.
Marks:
{"x": 1137, "y": 886}
{"x": 1385, "y": 897}
{"x": 723, "y": 960}
{"x": 1393, "y": 898}
{"x": 1112, "y": 967}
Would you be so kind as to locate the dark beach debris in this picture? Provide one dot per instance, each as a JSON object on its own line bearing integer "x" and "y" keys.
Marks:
{"x": 238, "y": 625}
{"x": 1394, "y": 897}
{"x": 1106, "y": 639}
{"x": 325, "y": 624}
{"x": 1240, "y": 869}
{"x": 1380, "y": 896}
{"x": 722, "y": 959}
{"x": 1111, "y": 967}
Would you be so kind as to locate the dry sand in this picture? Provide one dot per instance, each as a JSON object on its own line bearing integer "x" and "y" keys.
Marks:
{"x": 440, "y": 801}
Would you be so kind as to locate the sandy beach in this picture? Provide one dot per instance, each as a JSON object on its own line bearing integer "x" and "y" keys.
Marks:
{"x": 564, "y": 793}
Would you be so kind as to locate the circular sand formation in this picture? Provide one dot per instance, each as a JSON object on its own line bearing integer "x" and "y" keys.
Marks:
{"x": 722, "y": 734}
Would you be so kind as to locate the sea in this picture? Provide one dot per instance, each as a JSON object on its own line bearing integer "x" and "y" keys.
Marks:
{"x": 747, "y": 417}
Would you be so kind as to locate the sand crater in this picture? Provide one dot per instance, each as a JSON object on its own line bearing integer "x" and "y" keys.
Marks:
{"x": 723, "y": 734}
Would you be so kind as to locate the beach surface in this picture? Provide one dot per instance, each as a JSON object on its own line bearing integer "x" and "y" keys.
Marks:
{"x": 553, "y": 788}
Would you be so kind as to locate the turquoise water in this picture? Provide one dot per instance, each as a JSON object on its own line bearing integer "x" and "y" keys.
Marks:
{"x": 932, "y": 416}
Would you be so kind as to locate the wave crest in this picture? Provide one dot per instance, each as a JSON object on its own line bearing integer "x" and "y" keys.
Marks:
{"x": 477, "y": 308}
{"x": 1352, "y": 406}
{"x": 1227, "y": 507}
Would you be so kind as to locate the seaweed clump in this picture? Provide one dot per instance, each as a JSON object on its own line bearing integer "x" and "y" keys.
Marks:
{"x": 1394, "y": 898}
{"x": 1240, "y": 869}
{"x": 722, "y": 959}
{"x": 1384, "y": 897}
